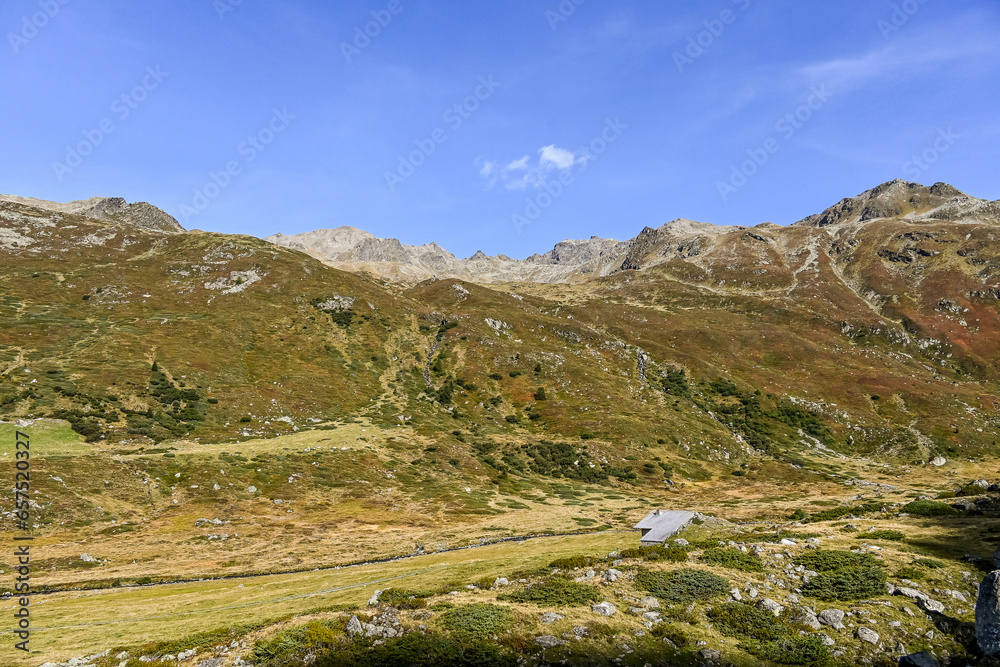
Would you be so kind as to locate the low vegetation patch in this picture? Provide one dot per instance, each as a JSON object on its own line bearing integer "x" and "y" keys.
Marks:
{"x": 893, "y": 535}
{"x": 732, "y": 559}
{"x": 928, "y": 508}
{"x": 764, "y": 636}
{"x": 478, "y": 620}
{"x": 683, "y": 586}
{"x": 558, "y": 591}
{"x": 656, "y": 553}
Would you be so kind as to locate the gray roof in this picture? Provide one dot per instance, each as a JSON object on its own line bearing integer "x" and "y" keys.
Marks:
{"x": 663, "y": 523}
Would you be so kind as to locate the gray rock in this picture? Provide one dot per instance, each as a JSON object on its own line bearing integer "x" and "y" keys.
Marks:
{"x": 652, "y": 616}
{"x": 735, "y": 595}
{"x": 604, "y": 609}
{"x": 354, "y": 626}
{"x": 211, "y": 662}
{"x": 681, "y": 542}
{"x": 87, "y": 558}
{"x": 710, "y": 654}
{"x": 551, "y": 617}
{"x": 922, "y": 659}
{"x": 612, "y": 575}
{"x": 922, "y": 599}
{"x": 938, "y": 461}
{"x": 580, "y": 631}
{"x": 373, "y": 600}
{"x": 988, "y": 614}
{"x": 832, "y": 617}
{"x": 548, "y": 641}
{"x": 806, "y": 617}
{"x": 770, "y": 605}
{"x": 868, "y": 635}
{"x": 826, "y": 639}
{"x": 650, "y": 603}
{"x": 500, "y": 581}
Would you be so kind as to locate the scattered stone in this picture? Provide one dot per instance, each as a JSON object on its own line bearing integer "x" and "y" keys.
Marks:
{"x": 681, "y": 542}
{"x": 650, "y": 603}
{"x": 551, "y": 617}
{"x": 922, "y": 599}
{"x": 500, "y": 581}
{"x": 710, "y": 654}
{"x": 87, "y": 558}
{"x": 612, "y": 575}
{"x": 652, "y": 616}
{"x": 938, "y": 461}
{"x": 826, "y": 639}
{"x": 548, "y": 641}
{"x": 832, "y": 617}
{"x": 604, "y": 609}
{"x": 868, "y": 635}
{"x": 735, "y": 595}
{"x": 211, "y": 662}
{"x": 580, "y": 631}
{"x": 807, "y": 617}
{"x": 373, "y": 600}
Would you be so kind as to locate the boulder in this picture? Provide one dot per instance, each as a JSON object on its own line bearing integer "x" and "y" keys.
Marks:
{"x": 500, "y": 581}
{"x": 354, "y": 626}
{"x": 650, "y": 603}
{"x": 604, "y": 609}
{"x": 988, "y": 614}
{"x": 612, "y": 575}
{"x": 373, "y": 600}
{"x": 868, "y": 635}
{"x": 938, "y": 461}
{"x": 832, "y": 617}
{"x": 922, "y": 659}
{"x": 770, "y": 605}
{"x": 551, "y": 617}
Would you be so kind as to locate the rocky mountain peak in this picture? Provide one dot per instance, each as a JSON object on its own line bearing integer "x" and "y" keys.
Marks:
{"x": 111, "y": 209}
{"x": 903, "y": 199}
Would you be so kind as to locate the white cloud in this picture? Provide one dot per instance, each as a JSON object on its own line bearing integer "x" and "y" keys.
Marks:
{"x": 522, "y": 173}
{"x": 518, "y": 165}
{"x": 557, "y": 157}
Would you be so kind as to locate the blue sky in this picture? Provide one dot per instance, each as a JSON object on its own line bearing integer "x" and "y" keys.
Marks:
{"x": 501, "y": 126}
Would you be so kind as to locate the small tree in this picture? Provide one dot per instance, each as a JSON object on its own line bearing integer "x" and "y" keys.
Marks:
{"x": 540, "y": 394}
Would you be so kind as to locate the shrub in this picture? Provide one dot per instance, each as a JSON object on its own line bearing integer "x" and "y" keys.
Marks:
{"x": 929, "y": 508}
{"x": 733, "y": 559}
{"x": 829, "y": 561}
{"x": 557, "y": 591}
{"x": 682, "y": 586}
{"x": 656, "y": 553}
{"x": 404, "y": 599}
{"x": 477, "y": 620}
{"x": 571, "y": 562}
{"x": 929, "y": 563}
{"x": 735, "y": 619}
{"x": 911, "y": 573}
{"x": 496, "y": 376}
{"x": 674, "y": 634}
{"x": 540, "y": 394}
{"x": 847, "y": 584}
{"x": 893, "y": 535}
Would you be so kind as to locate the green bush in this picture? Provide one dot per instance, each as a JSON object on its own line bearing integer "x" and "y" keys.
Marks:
{"x": 929, "y": 563}
{"x": 478, "y": 620}
{"x": 557, "y": 591}
{"x": 736, "y": 619}
{"x": 656, "y": 553}
{"x": 764, "y": 636}
{"x": 733, "y": 559}
{"x": 893, "y": 535}
{"x": 682, "y": 586}
{"x": 829, "y": 561}
{"x": 928, "y": 508}
{"x": 847, "y": 584}
{"x": 572, "y": 562}
{"x": 911, "y": 573}
{"x": 404, "y": 599}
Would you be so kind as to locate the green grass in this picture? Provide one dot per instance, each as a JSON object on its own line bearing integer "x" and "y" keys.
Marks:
{"x": 683, "y": 586}
{"x": 48, "y": 438}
